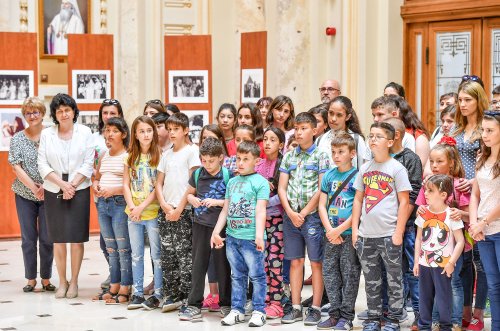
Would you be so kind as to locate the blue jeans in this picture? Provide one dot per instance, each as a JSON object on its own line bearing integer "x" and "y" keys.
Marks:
{"x": 114, "y": 230}
{"x": 246, "y": 261}
{"x": 490, "y": 256}
{"x": 136, "y": 232}
{"x": 31, "y": 216}
{"x": 458, "y": 295}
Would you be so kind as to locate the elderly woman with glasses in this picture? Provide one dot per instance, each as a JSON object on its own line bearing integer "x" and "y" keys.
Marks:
{"x": 65, "y": 162}
{"x": 109, "y": 108}
{"x": 29, "y": 196}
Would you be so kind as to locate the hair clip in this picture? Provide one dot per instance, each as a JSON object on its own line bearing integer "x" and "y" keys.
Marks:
{"x": 450, "y": 141}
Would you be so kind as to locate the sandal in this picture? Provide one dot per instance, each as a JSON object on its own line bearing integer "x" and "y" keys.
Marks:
{"x": 49, "y": 287}
{"x": 101, "y": 295}
{"x": 115, "y": 300}
{"x": 29, "y": 288}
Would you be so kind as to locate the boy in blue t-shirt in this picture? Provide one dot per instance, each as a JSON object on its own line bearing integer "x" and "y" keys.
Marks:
{"x": 245, "y": 212}
{"x": 341, "y": 268}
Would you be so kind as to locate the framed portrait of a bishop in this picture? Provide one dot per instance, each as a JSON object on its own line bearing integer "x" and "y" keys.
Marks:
{"x": 57, "y": 19}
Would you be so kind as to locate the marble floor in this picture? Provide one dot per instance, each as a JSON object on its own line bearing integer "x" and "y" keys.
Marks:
{"x": 40, "y": 311}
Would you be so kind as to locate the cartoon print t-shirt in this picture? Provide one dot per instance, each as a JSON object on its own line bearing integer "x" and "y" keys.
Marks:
{"x": 340, "y": 209}
{"x": 437, "y": 237}
{"x": 142, "y": 183}
{"x": 243, "y": 192}
{"x": 380, "y": 183}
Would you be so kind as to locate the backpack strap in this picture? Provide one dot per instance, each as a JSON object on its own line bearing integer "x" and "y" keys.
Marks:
{"x": 196, "y": 176}
{"x": 341, "y": 187}
{"x": 225, "y": 175}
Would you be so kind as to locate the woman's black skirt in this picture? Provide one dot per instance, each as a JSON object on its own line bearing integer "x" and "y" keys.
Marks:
{"x": 68, "y": 220}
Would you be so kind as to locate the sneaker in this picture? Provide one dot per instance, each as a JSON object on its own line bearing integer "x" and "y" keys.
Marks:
{"x": 136, "y": 302}
{"x": 294, "y": 315}
{"x": 307, "y": 302}
{"x": 325, "y": 309}
{"x": 225, "y": 310}
{"x": 233, "y": 317}
{"x": 465, "y": 324}
{"x": 455, "y": 327}
{"x": 170, "y": 305}
{"x": 286, "y": 290}
{"x": 182, "y": 308}
{"x": 258, "y": 319}
{"x": 327, "y": 324}
{"x": 190, "y": 313}
{"x": 414, "y": 325}
{"x": 248, "y": 308}
{"x": 475, "y": 325}
{"x": 105, "y": 284}
{"x": 274, "y": 311}
{"x": 211, "y": 302}
{"x": 313, "y": 316}
{"x": 435, "y": 327}
{"x": 391, "y": 326}
{"x": 343, "y": 325}
{"x": 363, "y": 315}
{"x": 151, "y": 303}
{"x": 371, "y": 326}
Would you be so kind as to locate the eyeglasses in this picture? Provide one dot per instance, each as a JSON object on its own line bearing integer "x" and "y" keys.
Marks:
{"x": 376, "y": 137}
{"x": 155, "y": 101}
{"x": 329, "y": 89}
{"x": 492, "y": 113}
{"x": 33, "y": 114}
{"x": 110, "y": 102}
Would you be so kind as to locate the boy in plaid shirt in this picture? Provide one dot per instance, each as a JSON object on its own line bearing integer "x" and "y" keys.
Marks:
{"x": 301, "y": 172}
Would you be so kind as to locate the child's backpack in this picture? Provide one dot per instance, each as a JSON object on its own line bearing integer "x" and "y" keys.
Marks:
{"x": 225, "y": 175}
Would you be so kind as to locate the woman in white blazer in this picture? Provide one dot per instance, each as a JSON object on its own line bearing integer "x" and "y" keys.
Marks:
{"x": 65, "y": 162}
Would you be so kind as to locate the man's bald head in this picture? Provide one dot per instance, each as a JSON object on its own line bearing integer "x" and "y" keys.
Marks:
{"x": 329, "y": 90}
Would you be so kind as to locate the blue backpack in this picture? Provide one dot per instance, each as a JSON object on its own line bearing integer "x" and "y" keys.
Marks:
{"x": 225, "y": 175}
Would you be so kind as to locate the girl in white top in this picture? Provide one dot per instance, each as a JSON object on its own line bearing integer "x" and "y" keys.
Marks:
{"x": 485, "y": 209}
{"x": 342, "y": 117}
{"x": 108, "y": 188}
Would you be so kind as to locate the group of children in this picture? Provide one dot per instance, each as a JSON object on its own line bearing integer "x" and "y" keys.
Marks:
{"x": 247, "y": 212}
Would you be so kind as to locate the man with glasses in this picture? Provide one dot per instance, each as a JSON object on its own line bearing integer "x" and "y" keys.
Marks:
{"x": 495, "y": 101}
{"x": 329, "y": 90}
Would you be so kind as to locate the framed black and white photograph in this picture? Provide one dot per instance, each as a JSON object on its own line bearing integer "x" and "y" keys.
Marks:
{"x": 90, "y": 119}
{"x": 188, "y": 86}
{"x": 15, "y": 86}
{"x": 197, "y": 120}
{"x": 12, "y": 122}
{"x": 57, "y": 19}
{"x": 91, "y": 86}
{"x": 252, "y": 85}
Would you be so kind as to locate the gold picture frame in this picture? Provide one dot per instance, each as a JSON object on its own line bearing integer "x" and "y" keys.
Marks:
{"x": 47, "y": 12}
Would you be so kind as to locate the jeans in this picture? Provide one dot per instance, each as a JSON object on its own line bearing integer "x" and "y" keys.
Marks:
{"x": 31, "y": 216}
{"x": 114, "y": 230}
{"x": 136, "y": 233}
{"x": 245, "y": 262}
{"x": 458, "y": 295}
{"x": 490, "y": 256}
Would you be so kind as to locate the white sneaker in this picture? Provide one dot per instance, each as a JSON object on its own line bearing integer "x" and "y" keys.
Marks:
{"x": 325, "y": 309}
{"x": 257, "y": 319}
{"x": 233, "y": 317}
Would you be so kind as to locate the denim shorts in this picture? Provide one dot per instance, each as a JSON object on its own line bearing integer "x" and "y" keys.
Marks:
{"x": 310, "y": 235}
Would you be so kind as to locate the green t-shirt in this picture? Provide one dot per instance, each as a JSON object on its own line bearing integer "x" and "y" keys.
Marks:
{"x": 243, "y": 192}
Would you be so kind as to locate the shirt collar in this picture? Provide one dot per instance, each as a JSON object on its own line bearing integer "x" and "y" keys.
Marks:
{"x": 308, "y": 151}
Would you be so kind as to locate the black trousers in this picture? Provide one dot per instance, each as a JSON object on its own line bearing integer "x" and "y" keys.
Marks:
{"x": 201, "y": 256}
{"x": 434, "y": 288}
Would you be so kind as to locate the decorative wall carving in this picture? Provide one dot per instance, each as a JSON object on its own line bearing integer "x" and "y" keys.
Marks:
{"x": 178, "y": 29}
{"x": 23, "y": 15}
{"x": 104, "y": 16}
{"x": 179, "y": 3}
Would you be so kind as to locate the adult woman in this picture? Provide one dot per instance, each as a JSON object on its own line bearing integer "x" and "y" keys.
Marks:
{"x": 108, "y": 109}
{"x": 65, "y": 160}
{"x": 226, "y": 119}
{"x": 472, "y": 102}
{"x": 152, "y": 107}
{"x": 29, "y": 196}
